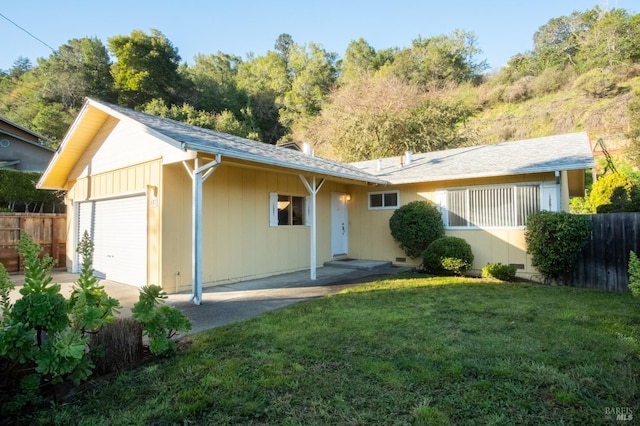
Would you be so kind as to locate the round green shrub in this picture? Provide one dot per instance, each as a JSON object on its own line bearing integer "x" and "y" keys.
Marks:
{"x": 415, "y": 226}
{"x": 448, "y": 256}
{"x": 499, "y": 271}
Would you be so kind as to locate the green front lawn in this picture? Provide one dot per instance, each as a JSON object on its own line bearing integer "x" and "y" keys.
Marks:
{"x": 407, "y": 350}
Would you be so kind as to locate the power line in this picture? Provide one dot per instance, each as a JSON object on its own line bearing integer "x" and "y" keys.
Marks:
{"x": 52, "y": 49}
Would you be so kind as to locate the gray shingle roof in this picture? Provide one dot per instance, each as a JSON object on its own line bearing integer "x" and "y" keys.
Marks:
{"x": 563, "y": 152}
{"x": 212, "y": 142}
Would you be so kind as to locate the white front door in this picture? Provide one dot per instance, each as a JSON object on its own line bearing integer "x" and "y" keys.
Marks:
{"x": 339, "y": 224}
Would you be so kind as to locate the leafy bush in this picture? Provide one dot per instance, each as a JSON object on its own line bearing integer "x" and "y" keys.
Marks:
{"x": 616, "y": 192}
{"x": 551, "y": 80}
{"x": 89, "y": 305}
{"x": 47, "y": 339}
{"x": 37, "y": 343}
{"x": 634, "y": 274}
{"x": 520, "y": 91}
{"x": 499, "y": 271}
{"x": 415, "y": 226}
{"x": 448, "y": 256}
{"x": 598, "y": 83}
{"x": 161, "y": 322}
{"x": 555, "y": 241}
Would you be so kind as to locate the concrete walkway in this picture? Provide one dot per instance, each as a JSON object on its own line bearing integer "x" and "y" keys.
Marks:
{"x": 227, "y": 303}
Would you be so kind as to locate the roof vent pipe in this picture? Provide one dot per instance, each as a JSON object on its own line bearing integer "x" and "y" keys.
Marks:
{"x": 306, "y": 148}
{"x": 379, "y": 165}
{"x": 408, "y": 157}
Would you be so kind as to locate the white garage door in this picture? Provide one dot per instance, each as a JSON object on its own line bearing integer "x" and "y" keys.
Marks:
{"x": 118, "y": 228}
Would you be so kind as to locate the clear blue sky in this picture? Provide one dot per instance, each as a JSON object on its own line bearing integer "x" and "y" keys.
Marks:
{"x": 503, "y": 27}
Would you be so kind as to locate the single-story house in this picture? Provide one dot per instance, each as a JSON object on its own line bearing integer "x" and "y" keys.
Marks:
{"x": 22, "y": 149}
{"x": 176, "y": 205}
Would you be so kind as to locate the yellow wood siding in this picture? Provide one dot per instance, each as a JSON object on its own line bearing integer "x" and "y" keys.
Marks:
{"x": 238, "y": 242}
{"x": 370, "y": 237}
{"x": 142, "y": 178}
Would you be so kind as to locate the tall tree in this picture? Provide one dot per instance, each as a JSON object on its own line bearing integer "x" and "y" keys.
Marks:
{"x": 382, "y": 116}
{"x": 265, "y": 79}
{"x": 611, "y": 41}
{"x": 359, "y": 58}
{"x": 558, "y": 42}
{"x": 215, "y": 86}
{"x": 20, "y": 66}
{"x": 438, "y": 61}
{"x": 313, "y": 74}
{"x": 284, "y": 44}
{"x": 78, "y": 69}
{"x": 146, "y": 67}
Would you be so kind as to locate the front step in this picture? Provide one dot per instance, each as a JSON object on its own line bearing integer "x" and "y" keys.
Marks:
{"x": 366, "y": 265}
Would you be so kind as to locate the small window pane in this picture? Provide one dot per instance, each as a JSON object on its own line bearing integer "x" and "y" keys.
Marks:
{"x": 284, "y": 207}
{"x": 375, "y": 200}
{"x": 298, "y": 210}
{"x": 457, "y": 206}
{"x": 391, "y": 199}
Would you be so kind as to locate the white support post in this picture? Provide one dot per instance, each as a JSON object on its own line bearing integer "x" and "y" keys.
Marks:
{"x": 313, "y": 190}
{"x": 198, "y": 176}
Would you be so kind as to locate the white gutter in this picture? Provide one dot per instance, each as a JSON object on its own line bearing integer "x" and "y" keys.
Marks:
{"x": 198, "y": 176}
{"x": 313, "y": 190}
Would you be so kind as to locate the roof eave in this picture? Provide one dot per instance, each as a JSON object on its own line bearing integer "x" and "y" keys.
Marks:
{"x": 284, "y": 164}
{"x": 441, "y": 178}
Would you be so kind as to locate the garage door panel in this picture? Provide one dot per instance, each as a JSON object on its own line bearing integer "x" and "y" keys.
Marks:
{"x": 118, "y": 228}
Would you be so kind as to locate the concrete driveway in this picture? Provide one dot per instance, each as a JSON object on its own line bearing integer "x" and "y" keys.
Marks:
{"x": 224, "y": 304}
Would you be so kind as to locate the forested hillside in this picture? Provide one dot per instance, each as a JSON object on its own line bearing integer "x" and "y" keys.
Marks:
{"x": 582, "y": 73}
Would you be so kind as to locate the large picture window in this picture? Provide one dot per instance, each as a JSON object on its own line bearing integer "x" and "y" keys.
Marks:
{"x": 487, "y": 207}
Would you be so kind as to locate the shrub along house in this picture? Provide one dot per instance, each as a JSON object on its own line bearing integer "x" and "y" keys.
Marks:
{"x": 180, "y": 206}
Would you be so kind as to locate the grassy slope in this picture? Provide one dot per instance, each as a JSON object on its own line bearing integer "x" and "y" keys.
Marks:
{"x": 565, "y": 111}
{"x": 408, "y": 350}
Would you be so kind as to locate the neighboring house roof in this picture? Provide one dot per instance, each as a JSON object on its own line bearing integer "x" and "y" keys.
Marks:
{"x": 563, "y": 152}
{"x": 188, "y": 137}
{"x": 31, "y": 137}
{"x": 21, "y": 149}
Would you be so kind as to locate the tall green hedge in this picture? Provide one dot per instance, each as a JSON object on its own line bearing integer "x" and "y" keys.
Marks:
{"x": 555, "y": 241}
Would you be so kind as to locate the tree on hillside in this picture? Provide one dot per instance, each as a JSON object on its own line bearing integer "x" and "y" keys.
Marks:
{"x": 359, "y": 58}
{"x": 558, "y": 42}
{"x": 438, "y": 61}
{"x": 22, "y": 98}
{"x": 146, "y": 67}
{"x": 284, "y": 44}
{"x": 612, "y": 40}
{"x": 78, "y": 69}
{"x": 215, "y": 86}
{"x": 382, "y": 116}
{"x": 313, "y": 73}
{"x": 20, "y": 66}
{"x": 265, "y": 80}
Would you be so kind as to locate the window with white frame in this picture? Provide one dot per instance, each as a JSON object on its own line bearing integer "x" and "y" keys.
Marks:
{"x": 384, "y": 200}
{"x": 506, "y": 206}
{"x": 287, "y": 210}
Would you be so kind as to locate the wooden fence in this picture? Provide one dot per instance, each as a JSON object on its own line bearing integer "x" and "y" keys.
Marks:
{"x": 604, "y": 264}
{"x": 47, "y": 229}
